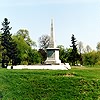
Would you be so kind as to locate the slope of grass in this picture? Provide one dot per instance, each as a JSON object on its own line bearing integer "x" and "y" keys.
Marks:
{"x": 74, "y": 84}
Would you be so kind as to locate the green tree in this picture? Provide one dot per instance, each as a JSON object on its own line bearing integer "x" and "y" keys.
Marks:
{"x": 5, "y": 40}
{"x": 25, "y": 34}
{"x": 23, "y": 49}
{"x": 98, "y": 55}
{"x": 91, "y": 58}
{"x": 74, "y": 54}
{"x": 43, "y": 55}
{"x": 69, "y": 50}
{"x": 26, "y": 55}
{"x": 98, "y": 46}
{"x": 34, "y": 57}
{"x": 8, "y": 46}
{"x": 0, "y": 50}
{"x": 63, "y": 54}
{"x": 13, "y": 53}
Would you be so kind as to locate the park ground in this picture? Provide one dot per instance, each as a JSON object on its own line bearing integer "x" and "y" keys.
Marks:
{"x": 79, "y": 83}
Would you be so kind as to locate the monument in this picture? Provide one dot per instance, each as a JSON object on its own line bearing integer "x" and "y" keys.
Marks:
{"x": 52, "y": 62}
{"x": 52, "y": 51}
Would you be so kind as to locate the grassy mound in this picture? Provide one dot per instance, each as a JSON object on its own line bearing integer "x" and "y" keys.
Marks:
{"x": 74, "y": 84}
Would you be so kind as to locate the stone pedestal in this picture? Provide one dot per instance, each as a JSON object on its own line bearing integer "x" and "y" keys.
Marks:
{"x": 53, "y": 56}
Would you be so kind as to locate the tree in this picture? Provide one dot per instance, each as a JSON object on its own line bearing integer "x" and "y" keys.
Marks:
{"x": 9, "y": 50}
{"x": 91, "y": 58}
{"x": 88, "y": 49}
{"x": 5, "y": 40}
{"x": 98, "y": 46}
{"x": 43, "y": 55}
{"x": 63, "y": 54}
{"x": 80, "y": 50}
{"x": 25, "y": 34}
{"x": 23, "y": 49}
{"x": 69, "y": 51}
{"x": 13, "y": 53}
{"x": 0, "y": 50}
{"x": 26, "y": 55}
{"x": 80, "y": 47}
{"x": 44, "y": 42}
{"x": 74, "y": 54}
{"x": 34, "y": 57}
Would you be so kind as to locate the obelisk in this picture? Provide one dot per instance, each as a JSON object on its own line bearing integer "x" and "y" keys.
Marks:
{"x": 52, "y": 51}
{"x": 52, "y": 36}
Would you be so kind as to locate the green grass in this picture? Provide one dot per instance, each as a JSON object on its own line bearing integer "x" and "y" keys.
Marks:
{"x": 75, "y": 84}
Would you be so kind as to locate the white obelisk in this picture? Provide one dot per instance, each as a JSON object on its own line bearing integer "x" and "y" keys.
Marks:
{"x": 52, "y": 51}
{"x": 52, "y": 36}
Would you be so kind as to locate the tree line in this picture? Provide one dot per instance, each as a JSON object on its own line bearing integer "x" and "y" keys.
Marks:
{"x": 19, "y": 49}
{"x": 76, "y": 54}
{"x": 16, "y": 49}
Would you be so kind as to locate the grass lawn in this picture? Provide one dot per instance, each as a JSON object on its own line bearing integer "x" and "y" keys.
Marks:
{"x": 79, "y": 83}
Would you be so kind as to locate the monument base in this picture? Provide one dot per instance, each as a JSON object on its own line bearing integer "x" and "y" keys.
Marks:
{"x": 49, "y": 67}
{"x": 53, "y": 56}
{"x": 52, "y": 62}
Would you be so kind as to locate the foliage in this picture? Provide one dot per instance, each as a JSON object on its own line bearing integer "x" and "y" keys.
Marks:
{"x": 0, "y": 50}
{"x": 23, "y": 48}
{"x": 80, "y": 47}
{"x": 63, "y": 54}
{"x": 8, "y": 46}
{"x": 74, "y": 56}
{"x": 98, "y": 46}
{"x": 13, "y": 53}
{"x": 25, "y": 34}
{"x": 88, "y": 49}
{"x": 18, "y": 49}
{"x": 34, "y": 57}
{"x": 75, "y": 84}
{"x": 43, "y": 55}
{"x": 91, "y": 58}
{"x": 26, "y": 55}
{"x": 44, "y": 42}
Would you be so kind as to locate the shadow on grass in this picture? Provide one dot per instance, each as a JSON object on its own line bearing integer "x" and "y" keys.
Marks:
{"x": 1, "y": 95}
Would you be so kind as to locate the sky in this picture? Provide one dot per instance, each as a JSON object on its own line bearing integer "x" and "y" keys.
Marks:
{"x": 78, "y": 17}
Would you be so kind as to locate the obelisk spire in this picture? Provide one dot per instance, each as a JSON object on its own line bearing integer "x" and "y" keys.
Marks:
{"x": 52, "y": 36}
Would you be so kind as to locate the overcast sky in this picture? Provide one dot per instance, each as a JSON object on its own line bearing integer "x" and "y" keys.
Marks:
{"x": 78, "y": 17}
